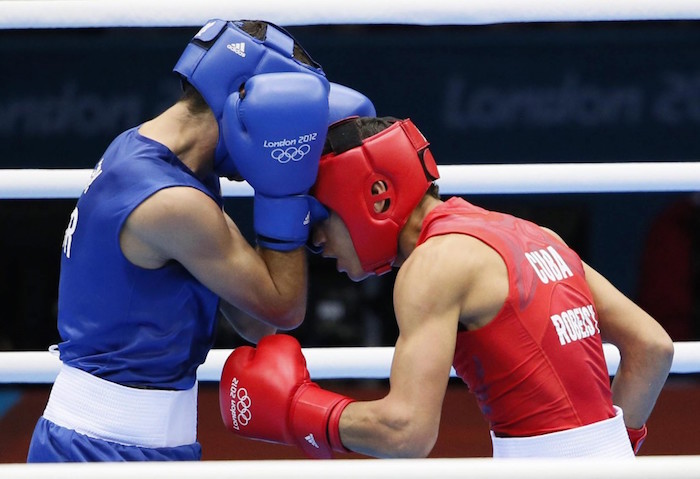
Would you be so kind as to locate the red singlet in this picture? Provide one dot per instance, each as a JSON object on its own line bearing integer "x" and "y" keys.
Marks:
{"x": 538, "y": 366}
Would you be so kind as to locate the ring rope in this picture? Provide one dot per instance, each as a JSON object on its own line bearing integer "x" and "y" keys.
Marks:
{"x": 456, "y": 179}
{"x": 648, "y": 467}
{"x": 169, "y": 13}
{"x": 41, "y": 367}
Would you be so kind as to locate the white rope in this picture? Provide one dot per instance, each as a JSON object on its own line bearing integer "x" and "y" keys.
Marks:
{"x": 456, "y": 179}
{"x": 570, "y": 178}
{"x": 69, "y": 183}
{"x": 647, "y": 467}
{"x": 41, "y": 367}
{"x": 167, "y": 13}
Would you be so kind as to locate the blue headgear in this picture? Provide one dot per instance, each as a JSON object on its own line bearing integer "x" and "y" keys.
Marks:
{"x": 221, "y": 57}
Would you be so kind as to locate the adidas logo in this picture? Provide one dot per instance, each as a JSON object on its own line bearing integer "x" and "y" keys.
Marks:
{"x": 307, "y": 220}
{"x": 311, "y": 440}
{"x": 237, "y": 48}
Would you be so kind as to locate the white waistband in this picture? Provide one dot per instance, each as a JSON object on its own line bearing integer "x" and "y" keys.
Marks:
{"x": 136, "y": 417}
{"x": 607, "y": 438}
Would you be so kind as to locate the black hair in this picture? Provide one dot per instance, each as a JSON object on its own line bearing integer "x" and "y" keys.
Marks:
{"x": 258, "y": 30}
{"x": 350, "y": 133}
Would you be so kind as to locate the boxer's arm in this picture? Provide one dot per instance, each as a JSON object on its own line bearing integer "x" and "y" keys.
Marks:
{"x": 429, "y": 297}
{"x": 185, "y": 225}
{"x": 245, "y": 325}
{"x": 646, "y": 351}
{"x": 405, "y": 423}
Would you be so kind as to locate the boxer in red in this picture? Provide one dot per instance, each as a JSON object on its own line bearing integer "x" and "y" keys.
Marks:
{"x": 506, "y": 302}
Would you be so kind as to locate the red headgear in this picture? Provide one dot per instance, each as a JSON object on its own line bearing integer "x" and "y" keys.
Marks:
{"x": 398, "y": 156}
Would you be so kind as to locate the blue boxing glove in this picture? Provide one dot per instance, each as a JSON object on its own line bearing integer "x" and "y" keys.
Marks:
{"x": 274, "y": 131}
{"x": 344, "y": 102}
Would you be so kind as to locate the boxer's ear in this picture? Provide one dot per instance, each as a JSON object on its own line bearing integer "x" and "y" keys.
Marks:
{"x": 379, "y": 187}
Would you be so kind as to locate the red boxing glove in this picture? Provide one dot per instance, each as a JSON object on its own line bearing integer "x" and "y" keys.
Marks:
{"x": 266, "y": 394}
{"x": 637, "y": 437}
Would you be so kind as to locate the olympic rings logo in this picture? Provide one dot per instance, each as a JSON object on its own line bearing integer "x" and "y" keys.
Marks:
{"x": 292, "y": 153}
{"x": 240, "y": 405}
{"x": 243, "y": 403}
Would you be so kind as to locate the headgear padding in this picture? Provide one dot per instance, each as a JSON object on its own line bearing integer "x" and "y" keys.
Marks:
{"x": 399, "y": 157}
{"x": 221, "y": 57}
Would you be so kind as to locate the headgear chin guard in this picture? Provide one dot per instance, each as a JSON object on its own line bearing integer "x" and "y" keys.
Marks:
{"x": 399, "y": 157}
{"x": 221, "y": 57}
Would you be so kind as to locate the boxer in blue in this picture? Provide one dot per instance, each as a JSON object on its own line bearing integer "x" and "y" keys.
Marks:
{"x": 150, "y": 257}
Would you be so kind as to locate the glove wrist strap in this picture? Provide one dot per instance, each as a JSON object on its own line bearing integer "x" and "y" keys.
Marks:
{"x": 334, "y": 426}
{"x": 281, "y": 223}
{"x": 314, "y": 417}
{"x": 637, "y": 437}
